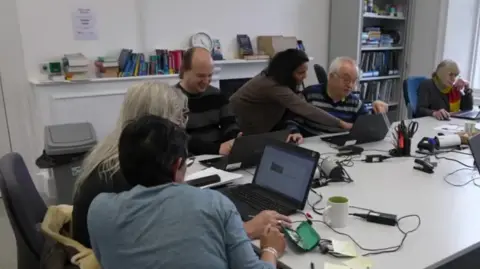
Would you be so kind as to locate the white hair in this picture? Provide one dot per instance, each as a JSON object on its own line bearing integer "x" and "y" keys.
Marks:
{"x": 153, "y": 98}
{"x": 338, "y": 62}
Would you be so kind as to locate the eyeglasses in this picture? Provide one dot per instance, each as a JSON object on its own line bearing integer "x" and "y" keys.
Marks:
{"x": 347, "y": 80}
{"x": 453, "y": 75}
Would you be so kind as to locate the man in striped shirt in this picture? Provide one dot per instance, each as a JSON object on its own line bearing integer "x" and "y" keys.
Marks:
{"x": 211, "y": 124}
{"x": 336, "y": 98}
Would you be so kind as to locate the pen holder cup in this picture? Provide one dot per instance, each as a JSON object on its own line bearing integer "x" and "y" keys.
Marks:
{"x": 407, "y": 146}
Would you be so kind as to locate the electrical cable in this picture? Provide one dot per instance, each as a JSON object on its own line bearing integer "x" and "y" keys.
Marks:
{"x": 473, "y": 179}
{"x": 320, "y": 199}
{"x": 460, "y": 152}
{"x": 374, "y": 251}
{"x": 377, "y": 251}
{"x": 453, "y": 160}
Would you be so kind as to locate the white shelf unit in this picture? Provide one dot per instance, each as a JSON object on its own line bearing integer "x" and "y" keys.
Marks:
{"x": 348, "y": 18}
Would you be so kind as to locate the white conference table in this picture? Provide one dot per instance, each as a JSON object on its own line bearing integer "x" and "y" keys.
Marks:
{"x": 450, "y": 225}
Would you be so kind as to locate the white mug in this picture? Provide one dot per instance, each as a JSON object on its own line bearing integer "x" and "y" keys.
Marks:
{"x": 470, "y": 127}
{"x": 335, "y": 213}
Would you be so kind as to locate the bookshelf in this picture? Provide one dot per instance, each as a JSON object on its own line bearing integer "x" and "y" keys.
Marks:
{"x": 374, "y": 33}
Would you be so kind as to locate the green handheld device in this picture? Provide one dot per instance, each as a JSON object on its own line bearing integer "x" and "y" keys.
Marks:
{"x": 305, "y": 238}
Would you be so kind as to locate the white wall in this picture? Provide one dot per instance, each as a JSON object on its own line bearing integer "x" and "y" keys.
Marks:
{"x": 443, "y": 31}
{"x": 427, "y": 36}
{"x": 16, "y": 90}
{"x": 144, "y": 25}
{"x": 47, "y": 32}
{"x": 460, "y": 34}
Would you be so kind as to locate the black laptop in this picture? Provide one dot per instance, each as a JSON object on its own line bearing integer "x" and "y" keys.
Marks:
{"x": 366, "y": 129}
{"x": 467, "y": 115}
{"x": 246, "y": 151}
{"x": 474, "y": 144}
{"x": 281, "y": 182}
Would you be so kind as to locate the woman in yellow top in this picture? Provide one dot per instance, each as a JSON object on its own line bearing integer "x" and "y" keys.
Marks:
{"x": 444, "y": 93}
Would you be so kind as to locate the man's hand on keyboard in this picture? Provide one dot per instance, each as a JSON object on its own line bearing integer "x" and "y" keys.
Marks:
{"x": 256, "y": 226}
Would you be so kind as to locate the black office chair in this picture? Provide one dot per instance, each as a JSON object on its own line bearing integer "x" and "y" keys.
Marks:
{"x": 320, "y": 73}
{"x": 25, "y": 209}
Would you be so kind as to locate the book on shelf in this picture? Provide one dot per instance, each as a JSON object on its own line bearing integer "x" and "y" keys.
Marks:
{"x": 163, "y": 62}
{"x": 379, "y": 63}
{"x": 377, "y": 90}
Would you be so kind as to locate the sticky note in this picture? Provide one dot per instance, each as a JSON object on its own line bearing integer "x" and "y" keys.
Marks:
{"x": 344, "y": 248}
{"x": 359, "y": 263}
{"x": 334, "y": 266}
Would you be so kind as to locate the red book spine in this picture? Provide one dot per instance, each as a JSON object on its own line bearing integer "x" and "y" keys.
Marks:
{"x": 177, "y": 60}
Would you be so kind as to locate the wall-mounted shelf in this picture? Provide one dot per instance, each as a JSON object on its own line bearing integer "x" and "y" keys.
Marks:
{"x": 385, "y": 17}
{"x": 100, "y": 80}
{"x": 379, "y": 78}
{"x": 381, "y": 48}
{"x": 45, "y": 82}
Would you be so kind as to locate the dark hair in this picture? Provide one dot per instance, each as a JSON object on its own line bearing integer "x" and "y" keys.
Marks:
{"x": 283, "y": 64}
{"x": 148, "y": 148}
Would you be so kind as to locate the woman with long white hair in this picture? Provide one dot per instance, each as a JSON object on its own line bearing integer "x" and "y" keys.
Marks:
{"x": 101, "y": 170}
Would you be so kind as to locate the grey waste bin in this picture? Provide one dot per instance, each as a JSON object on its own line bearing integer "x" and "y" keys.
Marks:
{"x": 68, "y": 142}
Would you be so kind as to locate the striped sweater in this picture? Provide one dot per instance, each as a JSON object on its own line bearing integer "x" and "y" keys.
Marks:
{"x": 210, "y": 121}
{"x": 347, "y": 110}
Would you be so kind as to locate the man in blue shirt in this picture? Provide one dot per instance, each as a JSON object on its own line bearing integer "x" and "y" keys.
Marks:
{"x": 161, "y": 223}
{"x": 336, "y": 98}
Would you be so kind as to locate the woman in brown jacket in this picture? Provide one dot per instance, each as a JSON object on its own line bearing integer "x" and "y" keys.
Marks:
{"x": 267, "y": 100}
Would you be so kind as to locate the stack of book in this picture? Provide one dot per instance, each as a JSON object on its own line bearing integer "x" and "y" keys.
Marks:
{"x": 107, "y": 67}
{"x": 75, "y": 66}
{"x": 373, "y": 37}
{"x": 164, "y": 62}
{"x": 379, "y": 63}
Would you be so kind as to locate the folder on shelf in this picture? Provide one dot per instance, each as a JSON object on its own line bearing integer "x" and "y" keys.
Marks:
{"x": 378, "y": 90}
{"x": 379, "y": 63}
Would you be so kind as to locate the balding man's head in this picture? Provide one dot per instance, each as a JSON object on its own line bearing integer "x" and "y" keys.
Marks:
{"x": 342, "y": 76}
{"x": 197, "y": 70}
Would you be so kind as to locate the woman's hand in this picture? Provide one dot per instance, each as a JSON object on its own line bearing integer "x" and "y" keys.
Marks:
{"x": 462, "y": 84}
{"x": 273, "y": 238}
{"x": 256, "y": 226}
{"x": 225, "y": 147}
{"x": 345, "y": 125}
{"x": 441, "y": 114}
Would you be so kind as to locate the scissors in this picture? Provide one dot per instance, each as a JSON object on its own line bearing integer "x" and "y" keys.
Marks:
{"x": 412, "y": 128}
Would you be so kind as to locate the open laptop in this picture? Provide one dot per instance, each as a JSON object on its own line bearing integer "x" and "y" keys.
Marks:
{"x": 474, "y": 144}
{"x": 281, "y": 182}
{"x": 246, "y": 151}
{"x": 467, "y": 115}
{"x": 366, "y": 129}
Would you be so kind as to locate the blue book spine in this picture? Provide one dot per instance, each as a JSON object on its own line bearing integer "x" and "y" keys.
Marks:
{"x": 141, "y": 71}
{"x": 131, "y": 69}
{"x": 165, "y": 63}
{"x": 127, "y": 67}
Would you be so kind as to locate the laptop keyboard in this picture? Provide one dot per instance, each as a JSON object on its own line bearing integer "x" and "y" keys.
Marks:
{"x": 259, "y": 202}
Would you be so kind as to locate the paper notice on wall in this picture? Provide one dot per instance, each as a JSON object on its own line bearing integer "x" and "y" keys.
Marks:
{"x": 84, "y": 24}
